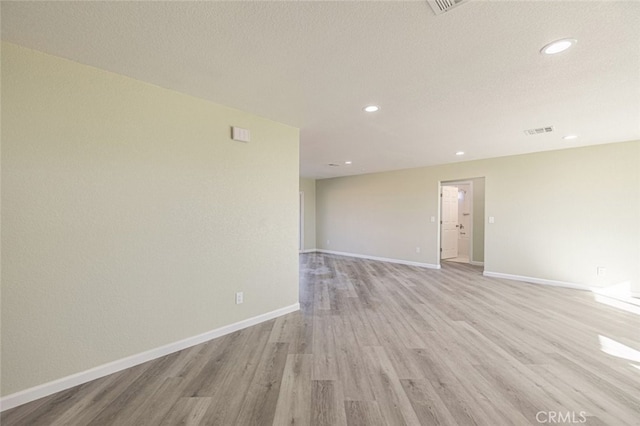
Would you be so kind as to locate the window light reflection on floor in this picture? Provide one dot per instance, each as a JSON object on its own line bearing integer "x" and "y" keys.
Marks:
{"x": 619, "y": 350}
{"x": 618, "y": 304}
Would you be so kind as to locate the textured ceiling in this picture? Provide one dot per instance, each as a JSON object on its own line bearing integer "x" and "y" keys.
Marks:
{"x": 471, "y": 79}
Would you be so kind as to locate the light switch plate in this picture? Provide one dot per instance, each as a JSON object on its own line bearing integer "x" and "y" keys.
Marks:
{"x": 240, "y": 134}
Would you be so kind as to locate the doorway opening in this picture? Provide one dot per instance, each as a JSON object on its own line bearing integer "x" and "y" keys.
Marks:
{"x": 461, "y": 233}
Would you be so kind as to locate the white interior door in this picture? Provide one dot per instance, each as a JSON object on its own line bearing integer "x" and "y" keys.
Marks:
{"x": 449, "y": 226}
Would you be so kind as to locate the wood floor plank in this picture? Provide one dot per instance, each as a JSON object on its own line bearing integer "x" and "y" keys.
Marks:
{"x": 427, "y": 404}
{"x": 123, "y": 407}
{"x": 354, "y": 377}
{"x": 294, "y": 400}
{"x": 585, "y": 396}
{"x": 67, "y": 404}
{"x": 327, "y": 404}
{"x": 62, "y": 404}
{"x": 212, "y": 367}
{"x": 259, "y": 404}
{"x": 393, "y": 402}
{"x": 159, "y": 404}
{"x": 325, "y": 362}
{"x": 295, "y": 329}
{"x": 225, "y": 406}
{"x": 363, "y": 413}
{"x": 384, "y": 344}
{"x": 187, "y": 412}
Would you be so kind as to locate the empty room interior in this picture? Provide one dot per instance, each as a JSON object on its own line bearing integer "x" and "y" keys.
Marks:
{"x": 320, "y": 213}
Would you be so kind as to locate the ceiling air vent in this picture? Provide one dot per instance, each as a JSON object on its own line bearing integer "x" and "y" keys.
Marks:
{"x": 442, "y": 6}
{"x": 538, "y": 131}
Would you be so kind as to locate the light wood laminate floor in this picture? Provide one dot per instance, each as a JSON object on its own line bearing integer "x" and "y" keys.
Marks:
{"x": 384, "y": 344}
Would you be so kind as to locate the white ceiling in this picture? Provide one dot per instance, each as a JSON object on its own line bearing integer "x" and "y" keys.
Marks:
{"x": 472, "y": 79}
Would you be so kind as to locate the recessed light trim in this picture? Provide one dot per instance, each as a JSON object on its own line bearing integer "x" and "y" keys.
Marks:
{"x": 459, "y": 153}
{"x": 558, "y": 46}
{"x": 348, "y": 163}
{"x": 371, "y": 108}
{"x": 569, "y": 137}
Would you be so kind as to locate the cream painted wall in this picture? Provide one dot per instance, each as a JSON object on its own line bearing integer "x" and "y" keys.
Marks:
{"x": 558, "y": 215}
{"x": 130, "y": 219}
{"x": 308, "y": 186}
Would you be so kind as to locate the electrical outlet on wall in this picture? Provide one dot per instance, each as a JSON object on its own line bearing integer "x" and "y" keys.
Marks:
{"x": 239, "y": 298}
{"x": 601, "y": 271}
{"x": 417, "y": 249}
{"x": 327, "y": 242}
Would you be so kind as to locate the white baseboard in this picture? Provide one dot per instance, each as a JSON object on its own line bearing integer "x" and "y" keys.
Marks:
{"x": 37, "y": 392}
{"x": 536, "y": 280}
{"x": 308, "y": 251}
{"x": 473, "y": 262}
{"x": 380, "y": 259}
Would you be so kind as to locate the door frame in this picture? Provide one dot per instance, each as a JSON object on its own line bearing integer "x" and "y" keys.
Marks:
{"x": 454, "y": 182}
{"x": 301, "y": 223}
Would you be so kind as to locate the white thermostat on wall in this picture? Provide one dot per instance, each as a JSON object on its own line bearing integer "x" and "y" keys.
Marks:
{"x": 240, "y": 134}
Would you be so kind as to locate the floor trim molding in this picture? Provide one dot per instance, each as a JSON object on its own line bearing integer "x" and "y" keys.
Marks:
{"x": 40, "y": 391}
{"x": 536, "y": 280}
{"x": 308, "y": 251}
{"x": 380, "y": 259}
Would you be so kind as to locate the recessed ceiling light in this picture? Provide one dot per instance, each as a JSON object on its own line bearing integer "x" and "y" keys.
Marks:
{"x": 347, "y": 162}
{"x": 460, "y": 153}
{"x": 569, "y": 137}
{"x": 371, "y": 108}
{"x": 558, "y": 46}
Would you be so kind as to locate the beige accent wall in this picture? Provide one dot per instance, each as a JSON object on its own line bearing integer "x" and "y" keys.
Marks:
{"x": 130, "y": 218}
{"x": 558, "y": 215}
{"x": 308, "y": 187}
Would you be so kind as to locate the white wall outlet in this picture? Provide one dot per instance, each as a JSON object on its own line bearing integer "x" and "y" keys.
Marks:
{"x": 492, "y": 219}
{"x": 239, "y": 298}
{"x": 327, "y": 242}
{"x": 601, "y": 271}
{"x": 433, "y": 219}
{"x": 417, "y": 249}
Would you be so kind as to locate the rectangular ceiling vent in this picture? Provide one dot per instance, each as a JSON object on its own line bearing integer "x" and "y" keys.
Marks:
{"x": 538, "y": 131}
{"x": 442, "y": 6}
